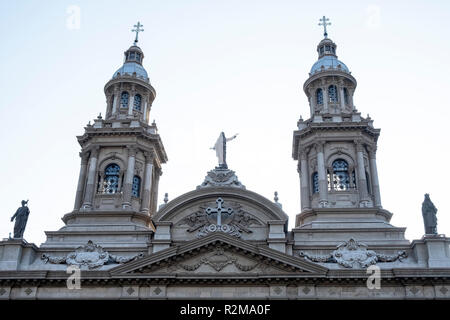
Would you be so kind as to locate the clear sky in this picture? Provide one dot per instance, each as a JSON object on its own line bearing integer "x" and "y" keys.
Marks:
{"x": 233, "y": 66}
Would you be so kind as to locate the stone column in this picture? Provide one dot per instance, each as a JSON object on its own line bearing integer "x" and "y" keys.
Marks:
{"x": 350, "y": 98}
{"x": 128, "y": 181}
{"x": 330, "y": 185}
{"x": 81, "y": 180}
{"x": 145, "y": 109}
{"x": 90, "y": 185}
{"x": 325, "y": 99}
{"x": 374, "y": 174}
{"x": 304, "y": 180}
{"x": 154, "y": 195}
{"x": 114, "y": 105}
{"x": 131, "y": 103}
{"x": 362, "y": 183}
{"x": 342, "y": 99}
{"x": 101, "y": 182}
{"x": 321, "y": 172}
{"x": 119, "y": 184}
{"x": 108, "y": 105}
{"x": 145, "y": 205}
{"x": 312, "y": 102}
{"x": 352, "y": 183}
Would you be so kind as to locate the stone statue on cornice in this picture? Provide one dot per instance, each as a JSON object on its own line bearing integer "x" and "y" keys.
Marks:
{"x": 429, "y": 215}
{"x": 21, "y": 217}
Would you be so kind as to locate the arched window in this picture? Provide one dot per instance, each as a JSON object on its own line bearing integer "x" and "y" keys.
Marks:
{"x": 332, "y": 93}
{"x": 345, "y": 95}
{"x": 136, "y": 187}
{"x": 111, "y": 182}
{"x": 137, "y": 102}
{"x": 319, "y": 96}
{"x": 124, "y": 99}
{"x": 341, "y": 178}
{"x": 138, "y": 57}
{"x": 315, "y": 182}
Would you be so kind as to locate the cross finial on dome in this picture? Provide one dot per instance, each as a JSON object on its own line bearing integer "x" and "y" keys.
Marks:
{"x": 324, "y": 23}
{"x": 137, "y": 30}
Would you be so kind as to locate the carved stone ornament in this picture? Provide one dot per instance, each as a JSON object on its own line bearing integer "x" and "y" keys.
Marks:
{"x": 90, "y": 255}
{"x": 221, "y": 177}
{"x": 231, "y": 219}
{"x": 352, "y": 254}
{"x": 218, "y": 260}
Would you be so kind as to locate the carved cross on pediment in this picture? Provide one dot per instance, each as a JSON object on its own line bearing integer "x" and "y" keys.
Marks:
{"x": 219, "y": 210}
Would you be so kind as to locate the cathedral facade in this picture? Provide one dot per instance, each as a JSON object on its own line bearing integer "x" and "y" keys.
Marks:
{"x": 222, "y": 241}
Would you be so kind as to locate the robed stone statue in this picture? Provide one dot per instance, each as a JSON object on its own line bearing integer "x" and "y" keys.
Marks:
{"x": 21, "y": 217}
{"x": 429, "y": 215}
{"x": 221, "y": 149}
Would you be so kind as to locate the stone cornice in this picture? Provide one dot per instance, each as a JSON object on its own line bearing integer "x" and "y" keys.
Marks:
{"x": 21, "y": 242}
{"x": 130, "y": 79}
{"x": 386, "y": 215}
{"x": 416, "y": 276}
{"x": 138, "y": 132}
{"x": 110, "y": 213}
{"x": 207, "y": 193}
{"x": 328, "y": 73}
{"x": 314, "y": 128}
{"x": 212, "y": 240}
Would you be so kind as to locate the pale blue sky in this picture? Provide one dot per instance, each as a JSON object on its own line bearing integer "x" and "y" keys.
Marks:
{"x": 236, "y": 66}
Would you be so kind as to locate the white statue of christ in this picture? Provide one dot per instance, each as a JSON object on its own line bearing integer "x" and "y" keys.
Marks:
{"x": 221, "y": 149}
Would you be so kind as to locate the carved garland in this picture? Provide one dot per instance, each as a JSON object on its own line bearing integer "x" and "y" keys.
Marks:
{"x": 90, "y": 255}
{"x": 351, "y": 253}
{"x": 218, "y": 261}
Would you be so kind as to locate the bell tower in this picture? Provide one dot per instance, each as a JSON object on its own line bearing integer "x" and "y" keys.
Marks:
{"x": 336, "y": 153}
{"x": 121, "y": 158}
{"x": 335, "y": 148}
{"x": 122, "y": 154}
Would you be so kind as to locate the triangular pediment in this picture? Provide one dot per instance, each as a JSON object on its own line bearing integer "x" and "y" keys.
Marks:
{"x": 219, "y": 255}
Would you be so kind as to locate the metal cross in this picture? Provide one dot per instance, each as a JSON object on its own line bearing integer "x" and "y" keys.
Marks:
{"x": 219, "y": 210}
{"x": 324, "y": 23}
{"x": 137, "y": 30}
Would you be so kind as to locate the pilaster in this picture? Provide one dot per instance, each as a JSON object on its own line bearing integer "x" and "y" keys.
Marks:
{"x": 321, "y": 171}
{"x": 362, "y": 182}
{"x": 374, "y": 175}
{"x": 128, "y": 181}
{"x": 145, "y": 205}
{"x": 90, "y": 184}
{"x": 81, "y": 179}
{"x": 304, "y": 179}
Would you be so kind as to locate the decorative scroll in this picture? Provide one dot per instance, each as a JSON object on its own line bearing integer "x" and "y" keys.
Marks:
{"x": 90, "y": 255}
{"x": 221, "y": 177}
{"x": 218, "y": 261}
{"x": 353, "y": 253}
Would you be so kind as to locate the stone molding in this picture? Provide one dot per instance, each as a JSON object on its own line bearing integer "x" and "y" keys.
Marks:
{"x": 220, "y": 177}
{"x": 352, "y": 253}
{"x": 168, "y": 212}
{"x": 238, "y": 221}
{"x": 90, "y": 255}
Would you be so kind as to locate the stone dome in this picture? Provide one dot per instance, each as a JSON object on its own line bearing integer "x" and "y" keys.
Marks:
{"x": 328, "y": 62}
{"x": 129, "y": 68}
{"x": 133, "y": 64}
